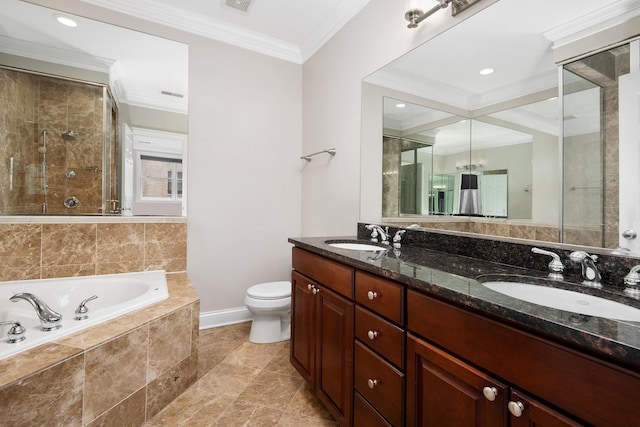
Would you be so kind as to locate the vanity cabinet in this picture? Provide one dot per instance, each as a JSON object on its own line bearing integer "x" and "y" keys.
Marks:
{"x": 458, "y": 353}
{"x": 381, "y": 353}
{"x": 379, "y": 379}
{"x": 322, "y": 328}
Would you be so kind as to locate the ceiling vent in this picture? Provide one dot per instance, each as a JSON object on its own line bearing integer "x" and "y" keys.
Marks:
{"x": 242, "y": 5}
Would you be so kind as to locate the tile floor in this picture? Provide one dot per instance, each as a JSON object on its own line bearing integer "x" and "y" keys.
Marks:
{"x": 243, "y": 384}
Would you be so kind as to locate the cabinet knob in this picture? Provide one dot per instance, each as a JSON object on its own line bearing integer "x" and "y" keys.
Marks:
{"x": 372, "y": 334}
{"x": 490, "y": 393}
{"x": 372, "y": 383}
{"x": 309, "y": 286}
{"x": 516, "y": 408}
{"x": 372, "y": 295}
{"x": 316, "y": 290}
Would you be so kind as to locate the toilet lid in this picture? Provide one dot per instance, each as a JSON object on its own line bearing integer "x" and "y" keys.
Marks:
{"x": 271, "y": 290}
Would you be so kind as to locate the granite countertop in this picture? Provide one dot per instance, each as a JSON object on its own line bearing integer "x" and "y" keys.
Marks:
{"x": 457, "y": 279}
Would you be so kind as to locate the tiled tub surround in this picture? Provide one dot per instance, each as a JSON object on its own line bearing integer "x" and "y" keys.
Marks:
{"x": 122, "y": 372}
{"x": 444, "y": 265}
{"x": 46, "y": 247}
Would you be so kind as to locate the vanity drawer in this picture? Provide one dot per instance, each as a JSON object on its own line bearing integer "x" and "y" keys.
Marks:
{"x": 380, "y": 383}
{"x": 333, "y": 275}
{"x": 365, "y": 415}
{"x": 380, "y": 335}
{"x": 382, "y": 296}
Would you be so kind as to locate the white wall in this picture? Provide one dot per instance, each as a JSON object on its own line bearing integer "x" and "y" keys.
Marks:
{"x": 332, "y": 112}
{"x": 244, "y": 169}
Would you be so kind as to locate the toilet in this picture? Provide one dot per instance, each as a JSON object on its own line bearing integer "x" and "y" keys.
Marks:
{"x": 270, "y": 304}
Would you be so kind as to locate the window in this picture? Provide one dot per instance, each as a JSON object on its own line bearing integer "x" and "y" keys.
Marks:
{"x": 160, "y": 178}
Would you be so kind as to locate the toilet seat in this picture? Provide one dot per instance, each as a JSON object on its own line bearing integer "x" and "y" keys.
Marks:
{"x": 270, "y": 291}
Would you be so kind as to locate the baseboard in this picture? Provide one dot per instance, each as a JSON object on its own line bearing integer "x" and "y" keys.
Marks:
{"x": 230, "y": 316}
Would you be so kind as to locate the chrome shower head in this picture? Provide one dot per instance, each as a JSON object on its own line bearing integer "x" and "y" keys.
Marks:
{"x": 69, "y": 135}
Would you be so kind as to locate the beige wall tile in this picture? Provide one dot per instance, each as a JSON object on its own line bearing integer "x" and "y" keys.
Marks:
{"x": 68, "y": 244}
{"x": 119, "y": 243}
{"x": 114, "y": 371}
{"x": 169, "y": 342}
{"x": 20, "y": 251}
{"x": 167, "y": 387}
{"x": 166, "y": 246}
{"x": 130, "y": 412}
{"x": 54, "y": 395}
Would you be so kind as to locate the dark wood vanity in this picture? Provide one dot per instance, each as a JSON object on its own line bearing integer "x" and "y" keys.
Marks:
{"x": 381, "y": 350}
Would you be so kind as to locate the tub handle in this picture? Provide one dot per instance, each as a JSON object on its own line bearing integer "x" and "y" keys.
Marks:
{"x": 82, "y": 310}
{"x": 16, "y": 332}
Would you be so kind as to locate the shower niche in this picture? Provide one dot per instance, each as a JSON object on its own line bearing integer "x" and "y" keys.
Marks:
{"x": 59, "y": 143}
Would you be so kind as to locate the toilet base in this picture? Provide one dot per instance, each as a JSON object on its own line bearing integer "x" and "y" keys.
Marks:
{"x": 270, "y": 328}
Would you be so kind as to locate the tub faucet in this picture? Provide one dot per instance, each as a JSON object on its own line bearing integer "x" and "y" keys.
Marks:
{"x": 590, "y": 274}
{"x": 377, "y": 230}
{"x": 49, "y": 319}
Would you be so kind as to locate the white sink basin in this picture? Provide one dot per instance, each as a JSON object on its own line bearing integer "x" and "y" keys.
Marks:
{"x": 356, "y": 246}
{"x": 562, "y": 299}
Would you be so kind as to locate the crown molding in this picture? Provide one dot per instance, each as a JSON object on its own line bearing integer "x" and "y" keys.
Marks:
{"x": 593, "y": 22}
{"x": 219, "y": 30}
{"x": 206, "y": 27}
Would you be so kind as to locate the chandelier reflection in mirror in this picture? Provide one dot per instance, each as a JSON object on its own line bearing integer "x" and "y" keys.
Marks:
{"x": 416, "y": 13}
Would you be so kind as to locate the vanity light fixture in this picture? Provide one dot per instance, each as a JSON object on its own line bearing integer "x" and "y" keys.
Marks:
{"x": 415, "y": 14}
{"x": 65, "y": 20}
{"x": 401, "y": 105}
{"x": 486, "y": 71}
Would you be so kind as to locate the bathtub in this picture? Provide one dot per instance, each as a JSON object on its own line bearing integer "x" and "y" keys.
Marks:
{"x": 117, "y": 294}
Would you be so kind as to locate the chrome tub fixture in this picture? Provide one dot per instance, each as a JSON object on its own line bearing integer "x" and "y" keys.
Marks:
{"x": 49, "y": 318}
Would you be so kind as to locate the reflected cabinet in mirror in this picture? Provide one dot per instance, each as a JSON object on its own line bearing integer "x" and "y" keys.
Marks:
{"x": 486, "y": 130}
{"x": 73, "y": 99}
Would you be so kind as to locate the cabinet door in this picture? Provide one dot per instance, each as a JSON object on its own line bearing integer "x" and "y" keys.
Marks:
{"x": 303, "y": 326}
{"x": 443, "y": 391}
{"x": 527, "y": 412}
{"x": 334, "y": 353}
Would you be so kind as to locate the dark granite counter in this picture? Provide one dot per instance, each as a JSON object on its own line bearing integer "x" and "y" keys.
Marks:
{"x": 457, "y": 279}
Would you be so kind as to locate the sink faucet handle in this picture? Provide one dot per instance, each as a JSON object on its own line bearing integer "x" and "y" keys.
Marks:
{"x": 631, "y": 282}
{"x": 556, "y": 267}
{"x": 16, "y": 332}
{"x": 397, "y": 237}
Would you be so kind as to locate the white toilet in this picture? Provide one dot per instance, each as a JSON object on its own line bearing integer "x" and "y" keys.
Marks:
{"x": 270, "y": 304}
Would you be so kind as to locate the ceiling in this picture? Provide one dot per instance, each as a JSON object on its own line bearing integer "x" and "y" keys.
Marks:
{"x": 288, "y": 29}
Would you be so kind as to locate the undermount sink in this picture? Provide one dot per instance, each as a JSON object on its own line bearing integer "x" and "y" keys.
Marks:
{"x": 355, "y": 246}
{"x": 566, "y": 300}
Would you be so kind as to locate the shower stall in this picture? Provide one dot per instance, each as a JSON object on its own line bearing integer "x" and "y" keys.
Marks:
{"x": 59, "y": 142}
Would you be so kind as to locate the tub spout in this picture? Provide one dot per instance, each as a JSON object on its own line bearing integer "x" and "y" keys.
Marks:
{"x": 49, "y": 319}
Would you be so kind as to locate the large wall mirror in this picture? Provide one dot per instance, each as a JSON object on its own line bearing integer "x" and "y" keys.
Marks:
{"x": 94, "y": 118}
{"x": 476, "y": 137}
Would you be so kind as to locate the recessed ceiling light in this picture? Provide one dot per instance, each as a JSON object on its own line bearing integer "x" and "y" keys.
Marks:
{"x": 401, "y": 105}
{"x": 486, "y": 71}
{"x": 65, "y": 20}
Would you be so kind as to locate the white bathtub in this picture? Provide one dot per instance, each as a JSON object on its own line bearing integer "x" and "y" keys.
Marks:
{"x": 117, "y": 294}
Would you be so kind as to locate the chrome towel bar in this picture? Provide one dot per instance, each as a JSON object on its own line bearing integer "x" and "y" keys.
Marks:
{"x": 330, "y": 151}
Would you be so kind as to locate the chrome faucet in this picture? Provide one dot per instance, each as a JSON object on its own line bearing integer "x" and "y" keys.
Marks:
{"x": 49, "y": 319}
{"x": 555, "y": 265}
{"x": 377, "y": 230}
{"x": 397, "y": 237}
{"x": 590, "y": 274}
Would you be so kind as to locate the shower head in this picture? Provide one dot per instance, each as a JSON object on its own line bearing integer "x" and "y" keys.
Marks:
{"x": 69, "y": 135}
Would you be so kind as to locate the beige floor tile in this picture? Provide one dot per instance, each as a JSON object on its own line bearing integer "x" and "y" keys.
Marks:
{"x": 243, "y": 384}
{"x": 272, "y": 390}
{"x": 304, "y": 403}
